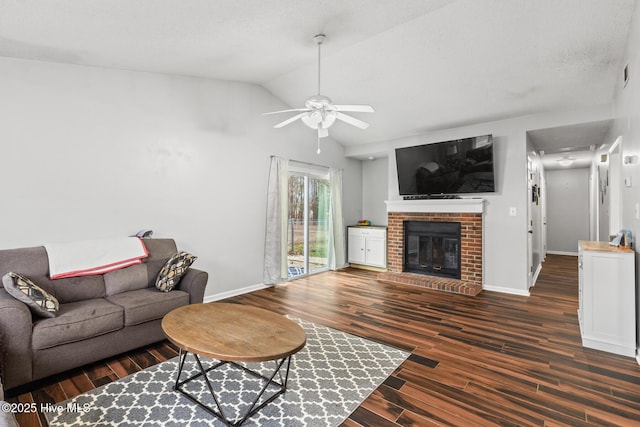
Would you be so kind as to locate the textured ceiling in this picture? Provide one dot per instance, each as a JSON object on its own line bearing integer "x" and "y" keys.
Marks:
{"x": 423, "y": 64}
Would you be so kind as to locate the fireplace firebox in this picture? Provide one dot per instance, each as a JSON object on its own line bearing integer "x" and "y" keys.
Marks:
{"x": 432, "y": 248}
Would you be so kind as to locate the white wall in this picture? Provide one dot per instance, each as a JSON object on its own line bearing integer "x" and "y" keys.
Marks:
{"x": 90, "y": 152}
{"x": 500, "y": 244}
{"x": 375, "y": 190}
{"x": 567, "y": 209}
{"x": 506, "y": 258}
{"x": 627, "y": 125}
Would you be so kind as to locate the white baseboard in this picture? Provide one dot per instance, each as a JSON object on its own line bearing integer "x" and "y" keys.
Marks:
{"x": 638, "y": 355}
{"x": 235, "y": 292}
{"x": 506, "y": 290}
{"x": 562, "y": 253}
{"x": 245, "y": 290}
{"x": 609, "y": 347}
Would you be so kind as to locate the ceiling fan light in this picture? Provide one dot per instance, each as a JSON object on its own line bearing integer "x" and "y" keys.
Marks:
{"x": 566, "y": 161}
{"x": 329, "y": 119}
{"x": 312, "y": 119}
{"x": 313, "y": 124}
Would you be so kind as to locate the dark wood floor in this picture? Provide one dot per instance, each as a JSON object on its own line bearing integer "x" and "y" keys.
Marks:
{"x": 493, "y": 359}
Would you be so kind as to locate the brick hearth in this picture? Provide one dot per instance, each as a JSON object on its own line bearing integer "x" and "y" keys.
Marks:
{"x": 470, "y": 282}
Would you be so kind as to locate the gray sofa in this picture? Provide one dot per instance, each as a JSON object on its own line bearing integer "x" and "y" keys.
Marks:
{"x": 7, "y": 418}
{"x": 99, "y": 316}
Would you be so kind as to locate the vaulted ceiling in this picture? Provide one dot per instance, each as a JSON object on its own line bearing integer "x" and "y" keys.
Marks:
{"x": 423, "y": 64}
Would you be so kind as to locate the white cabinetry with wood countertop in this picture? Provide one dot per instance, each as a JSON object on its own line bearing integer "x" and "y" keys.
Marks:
{"x": 367, "y": 246}
{"x": 607, "y": 297}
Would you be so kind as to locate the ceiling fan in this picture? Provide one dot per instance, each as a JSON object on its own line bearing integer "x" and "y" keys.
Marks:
{"x": 320, "y": 112}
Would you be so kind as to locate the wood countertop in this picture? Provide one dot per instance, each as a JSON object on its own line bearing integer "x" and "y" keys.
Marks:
{"x": 590, "y": 245}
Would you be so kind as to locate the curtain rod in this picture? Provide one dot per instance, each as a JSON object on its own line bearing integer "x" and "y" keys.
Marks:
{"x": 304, "y": 163}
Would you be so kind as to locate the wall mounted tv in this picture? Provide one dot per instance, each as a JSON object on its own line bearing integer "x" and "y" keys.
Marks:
{"x": 461, "y": 166}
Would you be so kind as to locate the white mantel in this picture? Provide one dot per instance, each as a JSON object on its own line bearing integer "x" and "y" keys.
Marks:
{"x": 472, "y": 205}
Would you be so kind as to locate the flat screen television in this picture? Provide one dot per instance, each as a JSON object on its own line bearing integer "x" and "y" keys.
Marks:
{"x": 461, "y": 166}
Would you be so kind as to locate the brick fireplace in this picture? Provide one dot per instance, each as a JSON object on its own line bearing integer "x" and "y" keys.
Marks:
{"x": 468, "y": 212}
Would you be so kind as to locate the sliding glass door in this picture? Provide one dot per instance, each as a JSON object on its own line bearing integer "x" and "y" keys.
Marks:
{"x": 308, "y": 222}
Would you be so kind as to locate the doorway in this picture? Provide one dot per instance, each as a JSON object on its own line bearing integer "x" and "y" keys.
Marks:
{"x": 615, "y": 184}
{"x": 608, "y": 182}
{"x": 307, "y": 222}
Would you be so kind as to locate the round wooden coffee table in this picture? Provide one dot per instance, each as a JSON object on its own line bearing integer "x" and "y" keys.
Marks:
{"x": 233, "y": 333}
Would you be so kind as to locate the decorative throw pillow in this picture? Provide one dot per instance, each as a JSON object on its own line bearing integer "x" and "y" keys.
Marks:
{"x": 40, "y": 302}
{"x": 173, "y": 271}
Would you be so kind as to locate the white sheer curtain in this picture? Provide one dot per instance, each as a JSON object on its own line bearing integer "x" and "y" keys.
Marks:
{"x": 275, "y": 244}
{"x": 337, "y": 258}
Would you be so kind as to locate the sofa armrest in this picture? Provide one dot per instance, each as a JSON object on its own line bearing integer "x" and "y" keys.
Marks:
{"x": 15, "y": 329}
{"x": 194, "y": 282}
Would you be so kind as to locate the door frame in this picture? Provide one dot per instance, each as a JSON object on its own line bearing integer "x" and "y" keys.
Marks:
{"x": 307, "y": 172}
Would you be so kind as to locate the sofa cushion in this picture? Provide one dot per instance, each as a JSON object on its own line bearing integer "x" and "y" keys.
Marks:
{"x": 77, "y": 321}
{"x": 148, "y": 304}
{"x": 74, "y": 289}
{"x": 173, "y": 270}
{"x": 39, "y": 301}
{"x": 126, "y": 279}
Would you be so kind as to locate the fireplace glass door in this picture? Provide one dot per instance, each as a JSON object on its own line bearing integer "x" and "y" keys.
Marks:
{"x": 432, "y": 248}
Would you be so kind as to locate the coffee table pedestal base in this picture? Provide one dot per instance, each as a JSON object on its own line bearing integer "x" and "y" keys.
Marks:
{"x": 254, "y": 407}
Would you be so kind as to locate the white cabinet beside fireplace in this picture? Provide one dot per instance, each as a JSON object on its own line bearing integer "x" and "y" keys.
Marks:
{"x": 607, "y": 298}
{"x": 367, "y": 246}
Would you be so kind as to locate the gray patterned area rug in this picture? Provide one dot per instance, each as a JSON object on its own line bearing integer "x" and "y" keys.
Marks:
{"x": 329, "y": 378}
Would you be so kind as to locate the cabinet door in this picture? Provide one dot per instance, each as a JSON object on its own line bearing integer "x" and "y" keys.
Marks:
{"x": 607, "y": 305}
{"x": 608, "y": 298}
{"x": 357, "y": 254}
{"x": 376, "y": 251}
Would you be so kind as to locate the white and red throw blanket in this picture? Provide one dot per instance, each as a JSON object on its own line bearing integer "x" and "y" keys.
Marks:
{"x": 89, "y": 257}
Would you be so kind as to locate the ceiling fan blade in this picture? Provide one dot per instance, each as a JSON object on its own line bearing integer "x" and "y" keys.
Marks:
{"x": 352, "y": 120}
{"x": 355, "y": 108}
{"x": 286, "y": 111}
{"x": 289, "y": 120}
